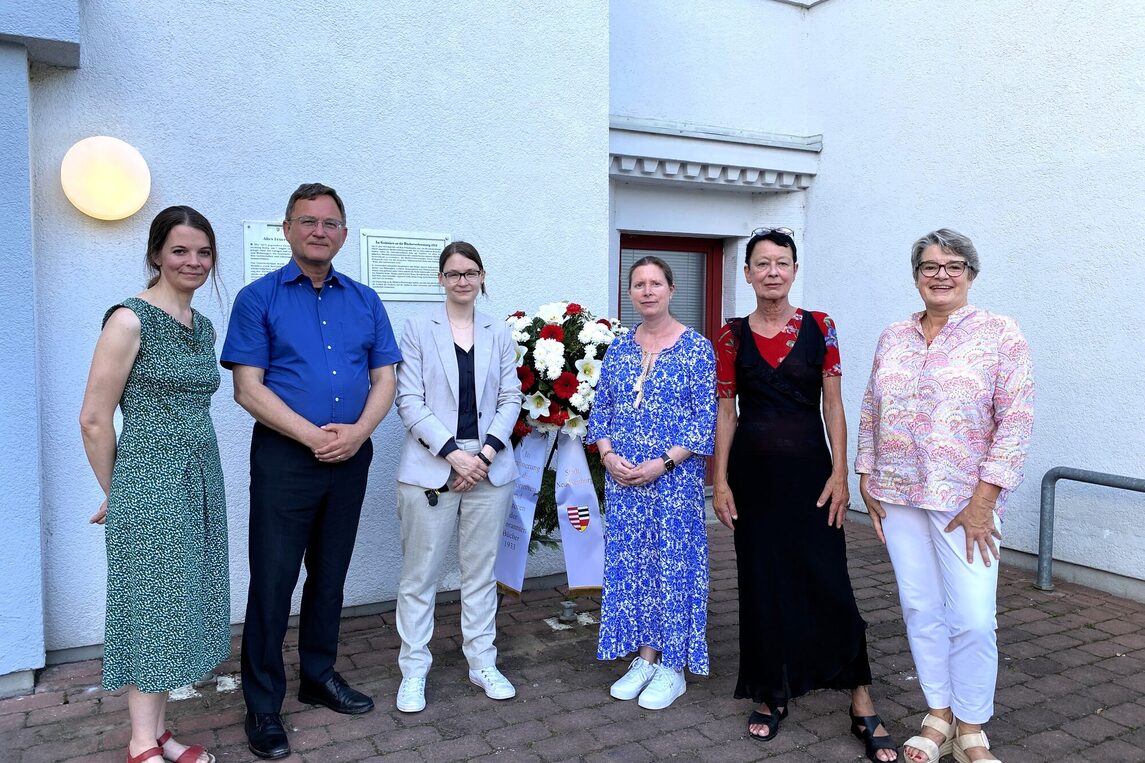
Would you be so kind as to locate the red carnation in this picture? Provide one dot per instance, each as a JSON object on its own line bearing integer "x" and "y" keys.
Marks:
{"x": 518, "y": 314}
{"x": 573, "y": 309}
{"x": 552, "y": 331}
{"x": 527, "y": 377}
{"x": 521, "y": 430}
{"x": 565, "y": 385}
{"x": 604, "y": 323}
{"x": 592, "y": 447}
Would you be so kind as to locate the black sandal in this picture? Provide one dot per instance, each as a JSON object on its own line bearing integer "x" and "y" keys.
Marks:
{"x": 771, "y": 720}
{"x": 864, "y": 727}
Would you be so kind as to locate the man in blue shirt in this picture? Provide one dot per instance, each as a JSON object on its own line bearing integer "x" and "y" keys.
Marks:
{"x": 313, "y": 355}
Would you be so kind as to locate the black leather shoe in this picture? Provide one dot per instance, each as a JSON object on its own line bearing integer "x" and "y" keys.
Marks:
{"x": 335, "y": 694}
{"x": 265, "y": 735}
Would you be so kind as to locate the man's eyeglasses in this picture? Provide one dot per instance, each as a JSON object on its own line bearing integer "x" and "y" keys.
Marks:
{"x": 310, "y": 223}
{"x": 953, "y": 269}
{"x": 764, "y": 231}
{"x": 453, "y": 276}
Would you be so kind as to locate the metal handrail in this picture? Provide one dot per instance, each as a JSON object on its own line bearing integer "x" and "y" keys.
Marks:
{"x": 1049, "y": 489}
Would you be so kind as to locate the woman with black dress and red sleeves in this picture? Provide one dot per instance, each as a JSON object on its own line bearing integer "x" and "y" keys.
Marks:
{"x": 784, "y": 492}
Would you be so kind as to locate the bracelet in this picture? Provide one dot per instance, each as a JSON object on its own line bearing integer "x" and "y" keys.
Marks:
{"x": 484, "y": 459}
{"x": 605, "y": 455}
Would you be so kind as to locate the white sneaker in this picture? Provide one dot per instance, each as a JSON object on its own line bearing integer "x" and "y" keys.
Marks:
{"x": 496, "y": 686}
{"x": 665, "y": 687}
{"x": 411, "y": 695}
{"x": 629, "y": 685}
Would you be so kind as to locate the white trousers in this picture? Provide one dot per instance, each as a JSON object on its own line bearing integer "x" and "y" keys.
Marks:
{"x": 950, "y": 609}
{"x": 479, "y": 515}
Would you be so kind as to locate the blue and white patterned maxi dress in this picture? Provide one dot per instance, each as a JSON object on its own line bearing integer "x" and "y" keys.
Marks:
{"x": 655, "y": 589}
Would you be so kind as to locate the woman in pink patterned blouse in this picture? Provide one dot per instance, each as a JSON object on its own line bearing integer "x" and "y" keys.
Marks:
{"x": 943, "y": 435}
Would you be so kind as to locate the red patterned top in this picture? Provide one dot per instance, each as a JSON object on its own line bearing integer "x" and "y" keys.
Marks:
{"x": 773, "y": 350}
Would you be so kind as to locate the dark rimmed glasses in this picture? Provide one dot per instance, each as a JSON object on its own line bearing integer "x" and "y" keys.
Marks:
{"x": 953, "y": 269}
{"x": 453, "y": 276}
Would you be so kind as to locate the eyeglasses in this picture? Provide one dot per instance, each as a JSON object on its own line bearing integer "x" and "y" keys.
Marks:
{"x": 453, "y": 276}
{"x": 953, "y": 269}
{"x": 764, "y": 231}
{"x": 310, "y": 223}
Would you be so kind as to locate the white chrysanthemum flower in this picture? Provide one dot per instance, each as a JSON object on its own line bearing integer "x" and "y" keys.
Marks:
{"x": 522, "y": 323}
{"x": 577, "y": 401}
{"x": 536, "y": 404}
{"x": 583, "y": 388}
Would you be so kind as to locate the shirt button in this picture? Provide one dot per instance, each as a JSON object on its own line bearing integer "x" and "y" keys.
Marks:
{"x": 334, "y": 372}
{"x": 323, "y": 323}
{"x": 328, "y": 347}
{"x": 337, "y": 399}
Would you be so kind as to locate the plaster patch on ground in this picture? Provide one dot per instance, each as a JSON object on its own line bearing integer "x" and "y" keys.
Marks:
{"x": 582, "y": 618}
{"x": 228, "y": 683}
{"x": 184, "y": 692}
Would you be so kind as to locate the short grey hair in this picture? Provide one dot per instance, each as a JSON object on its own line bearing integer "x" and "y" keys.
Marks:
{"x": 950, "y": 241}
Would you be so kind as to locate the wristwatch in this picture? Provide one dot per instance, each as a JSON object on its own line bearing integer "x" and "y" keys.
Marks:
{"x": 669, "y": 464}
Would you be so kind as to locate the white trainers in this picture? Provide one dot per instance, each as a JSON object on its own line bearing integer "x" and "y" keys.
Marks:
{"x": 629, "y": 685}
{"x": 665, "y": 687}
{"x": 496, "y": 686}
{"x": 411, "y": 695}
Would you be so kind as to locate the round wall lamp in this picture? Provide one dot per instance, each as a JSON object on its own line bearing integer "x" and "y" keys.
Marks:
{"x": 105, "y": 178}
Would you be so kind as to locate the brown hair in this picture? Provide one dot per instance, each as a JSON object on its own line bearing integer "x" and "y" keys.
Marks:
{"x": 311, "y": 191}
{"x": 652, "y": 259}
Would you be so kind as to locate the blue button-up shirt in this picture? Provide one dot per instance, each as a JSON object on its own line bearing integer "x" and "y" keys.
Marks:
{"x": 317, "y": 346}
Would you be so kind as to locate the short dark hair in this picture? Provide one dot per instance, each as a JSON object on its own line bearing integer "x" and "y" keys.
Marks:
{"x": 310, "y": 191}
{"x": 775, "y": 237}
{"x": 651, "y": 259}
{"x": 465, "y": 249}
{"x": 161, "y": 228}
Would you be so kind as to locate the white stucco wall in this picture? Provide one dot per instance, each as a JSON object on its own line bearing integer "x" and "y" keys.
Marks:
{"x": 484, "y": 121}
{"x": 1029, "y": 141}
{"x": 986, "y": 118}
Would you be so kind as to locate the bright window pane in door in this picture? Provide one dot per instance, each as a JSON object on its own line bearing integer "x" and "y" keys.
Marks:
{"x": 688, "y": 271}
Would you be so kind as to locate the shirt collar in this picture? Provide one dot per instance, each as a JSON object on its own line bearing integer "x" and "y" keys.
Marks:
{"x": 955, "y": 318}
{"x": 291, "y": 273}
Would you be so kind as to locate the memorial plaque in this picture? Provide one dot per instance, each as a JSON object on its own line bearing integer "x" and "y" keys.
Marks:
{"x": 265, "y": 249}
{"x": 402, "y": 265}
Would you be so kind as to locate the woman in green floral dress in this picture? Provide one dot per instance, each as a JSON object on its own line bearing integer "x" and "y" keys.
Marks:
{"x": 168, "y": 596}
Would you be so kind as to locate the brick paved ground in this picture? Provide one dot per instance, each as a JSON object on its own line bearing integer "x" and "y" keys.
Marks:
{"x": 1071, "y": 686}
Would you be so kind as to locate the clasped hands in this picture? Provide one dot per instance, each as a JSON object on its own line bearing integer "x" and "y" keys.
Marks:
{"x": 337, "y": 442}
{"x": 629, "y": 474}
{"x": 469, "y": 468}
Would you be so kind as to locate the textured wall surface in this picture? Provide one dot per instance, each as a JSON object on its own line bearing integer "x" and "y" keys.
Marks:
{"x": 985, "y": 119}
{"x": 21, "y": 561}
{"x": 488, "y": 122}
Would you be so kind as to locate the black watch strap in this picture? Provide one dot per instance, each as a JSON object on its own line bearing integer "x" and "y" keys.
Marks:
{"x": 669, "y": 464}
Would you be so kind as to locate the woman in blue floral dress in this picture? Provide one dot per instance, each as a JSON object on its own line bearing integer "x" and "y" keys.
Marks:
{"x": 655, "y": 408}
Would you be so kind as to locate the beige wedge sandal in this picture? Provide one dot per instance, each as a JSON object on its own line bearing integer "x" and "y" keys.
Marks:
{"x": 933, "y": 751}
{"x": 973, "y": 739}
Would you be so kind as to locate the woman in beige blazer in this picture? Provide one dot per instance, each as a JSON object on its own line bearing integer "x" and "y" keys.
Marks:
{"x": 458, "y": 397}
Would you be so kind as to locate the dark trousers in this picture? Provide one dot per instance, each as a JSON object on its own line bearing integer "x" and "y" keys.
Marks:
{"x": 300, "y": 510}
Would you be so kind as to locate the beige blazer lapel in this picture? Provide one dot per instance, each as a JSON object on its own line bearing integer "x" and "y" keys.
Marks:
{"x": 443, "y": 339}
{"x": 482, "y": 352}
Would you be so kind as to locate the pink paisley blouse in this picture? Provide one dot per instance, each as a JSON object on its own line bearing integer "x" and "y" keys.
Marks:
{"x": 936, "y": 420}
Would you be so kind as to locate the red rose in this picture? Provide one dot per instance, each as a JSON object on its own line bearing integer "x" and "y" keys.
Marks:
{"x": 527, "y": 377}
{"x": 565, "y": 385}
{"x": 521, "y": 430}
{"x": 604, "y": 323}
{"x": 552, "y": 331}
{"x": 573, "y": 309}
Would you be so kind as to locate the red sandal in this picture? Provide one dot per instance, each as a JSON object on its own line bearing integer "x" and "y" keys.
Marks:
{"x": 190, "y": 755}
{"x": 150, "y": 752}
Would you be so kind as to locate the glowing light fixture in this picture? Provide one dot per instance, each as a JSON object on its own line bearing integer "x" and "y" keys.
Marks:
{"x": 105, "y": 178}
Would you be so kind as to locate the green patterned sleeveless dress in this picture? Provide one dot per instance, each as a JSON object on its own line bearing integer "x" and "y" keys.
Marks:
{"x": 168, "y": 587}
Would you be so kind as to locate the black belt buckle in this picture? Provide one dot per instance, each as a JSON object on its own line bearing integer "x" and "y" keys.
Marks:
{"x": 431, "y": 494}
